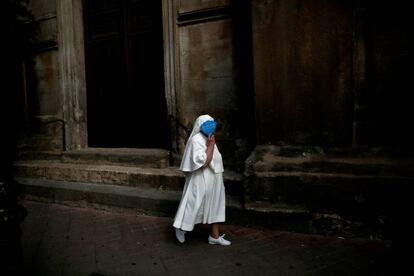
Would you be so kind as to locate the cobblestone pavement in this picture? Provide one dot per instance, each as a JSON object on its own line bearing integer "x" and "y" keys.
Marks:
{"x": 63, "y": 240}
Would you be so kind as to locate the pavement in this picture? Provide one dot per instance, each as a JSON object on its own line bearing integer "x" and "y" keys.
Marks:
{"x": 65, "y": 240}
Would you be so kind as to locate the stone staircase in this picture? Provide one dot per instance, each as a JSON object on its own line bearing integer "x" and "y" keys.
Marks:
{"x": 287, "y": 188}
{"x": 138, "y": 179}
{"x": 343, "y": 190}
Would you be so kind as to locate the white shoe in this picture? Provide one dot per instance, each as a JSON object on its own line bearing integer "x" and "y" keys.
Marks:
{"x": 220, "y": 240}
{"x": 180, "y": 234}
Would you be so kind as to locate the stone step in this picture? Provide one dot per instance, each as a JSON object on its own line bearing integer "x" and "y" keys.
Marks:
{"x": 39, "y": 155}
{"x": 163, "y": 179}
{"x": 353, "y": 196}
{"x": 144, "y": 199}
{"x": 154, "y": 202}
{"x": 300, "y": 159}
{"x": 355, "y": 166}
{"x": 278, "y": 216}
{"x": 282, "y": 216}
{"x": 169, "y": 178}
{"x": 347, "y": 152}
{"x": 355, "y": 185}
{"x": 144, "y": 158}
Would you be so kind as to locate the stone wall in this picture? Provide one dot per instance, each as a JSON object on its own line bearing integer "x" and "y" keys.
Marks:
{"x": 41, "y": 94}
{"x": 54, "y": 98}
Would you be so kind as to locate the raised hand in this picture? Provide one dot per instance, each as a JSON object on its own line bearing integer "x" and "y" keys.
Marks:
{"x": 211, "y": 141}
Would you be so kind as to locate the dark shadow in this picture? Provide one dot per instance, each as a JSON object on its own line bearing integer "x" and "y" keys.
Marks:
{"x": 18, "y": 35}
{"x": 243, "y": 120}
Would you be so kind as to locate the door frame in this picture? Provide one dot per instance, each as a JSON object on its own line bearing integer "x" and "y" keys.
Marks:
{"x": 72, "y": 68}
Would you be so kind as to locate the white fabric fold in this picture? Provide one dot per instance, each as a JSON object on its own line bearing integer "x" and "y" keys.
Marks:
{"x": 203, "y": 199}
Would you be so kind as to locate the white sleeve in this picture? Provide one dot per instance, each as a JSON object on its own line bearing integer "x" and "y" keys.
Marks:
{"x": 199, "y": 155}
{"x": 194, "y": 156}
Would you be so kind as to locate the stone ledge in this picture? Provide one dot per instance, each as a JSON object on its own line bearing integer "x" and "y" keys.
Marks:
{"x": 144, "y": 199}
{"x": 169, "y": 178}
{"x": 270, "y": 158}
{"x": 164, "y": 203}
{"x": 149, "y": 158}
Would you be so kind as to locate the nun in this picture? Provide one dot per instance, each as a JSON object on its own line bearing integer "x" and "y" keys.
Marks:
{"x": 203, "y": 199}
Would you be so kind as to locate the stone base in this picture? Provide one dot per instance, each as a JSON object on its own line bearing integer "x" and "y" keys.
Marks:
{"x": 348, "y": 190}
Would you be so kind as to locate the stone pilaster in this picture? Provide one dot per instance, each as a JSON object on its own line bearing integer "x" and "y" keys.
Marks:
{"x": 72, "y": 68}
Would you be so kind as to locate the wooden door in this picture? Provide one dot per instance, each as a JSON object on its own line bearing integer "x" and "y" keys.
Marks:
{"x": 125, "y": 73}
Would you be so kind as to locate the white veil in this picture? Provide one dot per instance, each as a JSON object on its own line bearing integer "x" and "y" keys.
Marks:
{"x": 187, "y": 165}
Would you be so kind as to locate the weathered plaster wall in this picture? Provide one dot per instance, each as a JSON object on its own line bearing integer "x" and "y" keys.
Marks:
{"x": 207, "y": 80}
{"x": 54, "y": 84}
{"x": 44, "y": 113}
{"x": 47, "y": 84}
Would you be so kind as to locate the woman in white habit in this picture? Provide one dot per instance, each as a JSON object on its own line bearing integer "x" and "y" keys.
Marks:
{"x": 203, "y": 199}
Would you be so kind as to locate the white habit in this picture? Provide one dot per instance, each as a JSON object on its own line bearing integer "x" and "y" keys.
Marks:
{"x": 203, "y": 199}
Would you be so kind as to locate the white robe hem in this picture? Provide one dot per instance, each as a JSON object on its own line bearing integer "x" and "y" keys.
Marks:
{"x": 190, "y": 227}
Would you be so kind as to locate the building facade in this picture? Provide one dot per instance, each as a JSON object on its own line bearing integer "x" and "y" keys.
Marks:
{"x": 313, "y": 77}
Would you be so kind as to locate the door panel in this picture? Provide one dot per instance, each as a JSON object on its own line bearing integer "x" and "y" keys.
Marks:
{"x": 125, "y": 80}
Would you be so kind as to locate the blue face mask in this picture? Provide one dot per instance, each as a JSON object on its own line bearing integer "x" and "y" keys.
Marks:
{"x": 208, "y": 128}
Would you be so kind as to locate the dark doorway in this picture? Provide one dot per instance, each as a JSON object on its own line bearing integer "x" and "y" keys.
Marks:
{"x": 125, "y": 73}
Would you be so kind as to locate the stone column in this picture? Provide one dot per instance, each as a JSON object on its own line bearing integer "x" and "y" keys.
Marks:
{"x": 72, "y": 70}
